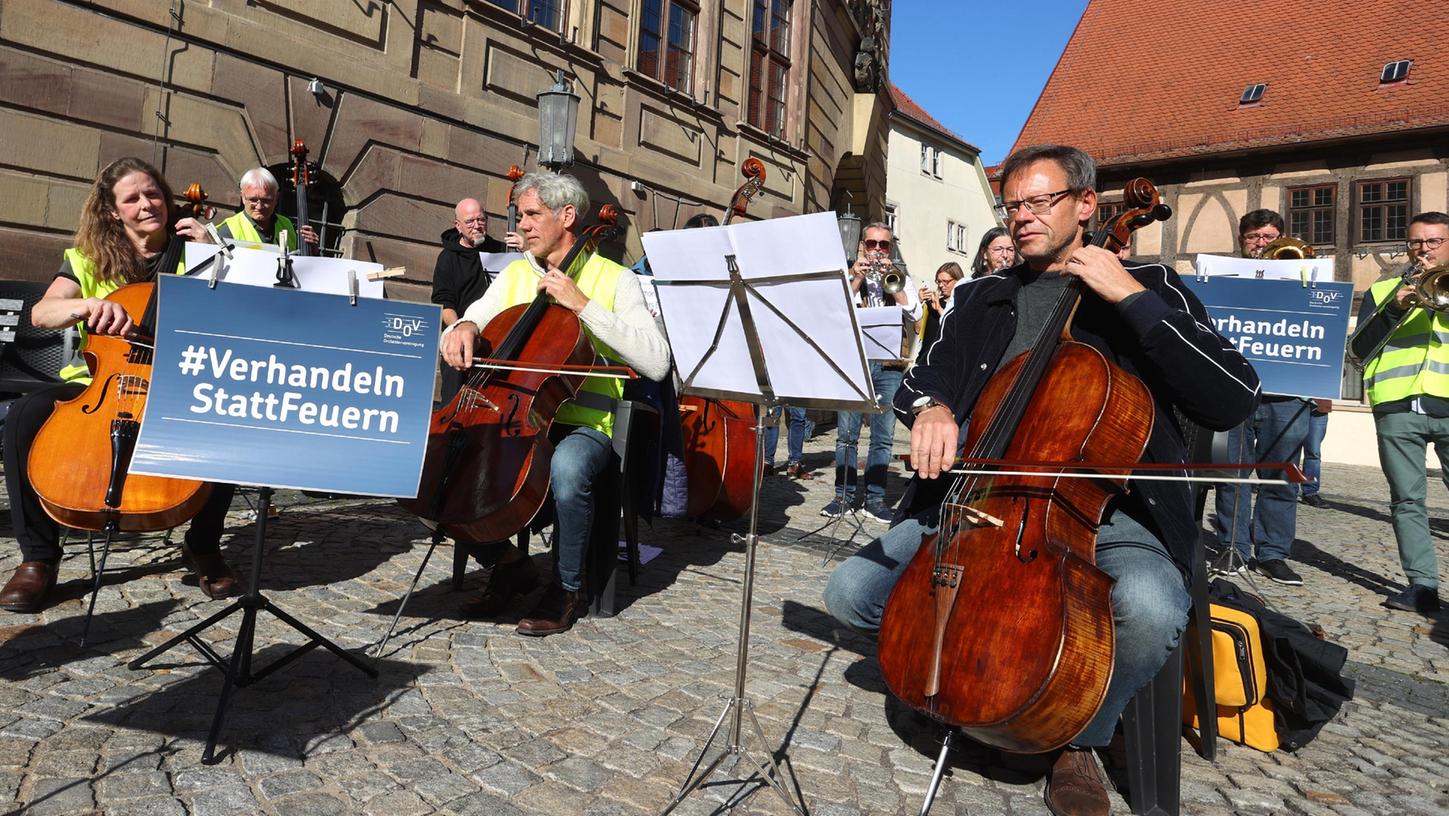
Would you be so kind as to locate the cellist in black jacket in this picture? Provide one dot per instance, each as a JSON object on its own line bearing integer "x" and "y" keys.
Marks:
{"x": 1141, "y": 318}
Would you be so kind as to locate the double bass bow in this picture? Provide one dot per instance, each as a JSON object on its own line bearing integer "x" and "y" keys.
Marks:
{"x": 80, "y": 460}
{"x": 486, "y": 469}
{"x": 719, "y": 434}
{"x": 1001, "y": 624}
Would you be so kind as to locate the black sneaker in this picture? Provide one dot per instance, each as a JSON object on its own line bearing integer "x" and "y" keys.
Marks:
{"x": 878, "y": 512}
{"x": 1416, "y": 598}
{"x": 1279, "y": 571}
{"x": 1313, "y": 500}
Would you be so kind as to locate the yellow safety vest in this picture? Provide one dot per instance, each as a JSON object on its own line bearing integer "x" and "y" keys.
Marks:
{"x": 90, "y": 287}
{"x": 597, "y": 277}
{"x": 242, "y": 229}
{"x": 1415, "y": 360}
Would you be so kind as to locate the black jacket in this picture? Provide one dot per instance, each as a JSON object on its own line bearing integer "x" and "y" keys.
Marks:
{"x": 1163, "y": 336}
{"x": 458, "y": 277}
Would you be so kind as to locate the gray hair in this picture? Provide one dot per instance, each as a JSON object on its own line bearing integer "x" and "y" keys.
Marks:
{"x": 554, "y": 190}
{"x": 258, "y": 176}
{"x": 1081, "y": 171}
{"x": 877, "y": 225}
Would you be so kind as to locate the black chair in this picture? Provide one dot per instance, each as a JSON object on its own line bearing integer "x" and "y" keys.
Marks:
{"x": 1152, "y": 722}
{"x": 30, "y": 358}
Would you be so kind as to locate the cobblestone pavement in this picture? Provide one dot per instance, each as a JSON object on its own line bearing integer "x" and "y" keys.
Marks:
{"x": 466, "y": 717}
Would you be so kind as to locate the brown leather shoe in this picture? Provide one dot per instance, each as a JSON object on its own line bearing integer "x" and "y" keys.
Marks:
{"x": 795, "y": 470}
{"x": 556, "y": 612}
{"x": 507, "y": 581}
{"x": 215, "y": 577}
{"x": 27, "y": 588}
{"x": 1074, "y": 786}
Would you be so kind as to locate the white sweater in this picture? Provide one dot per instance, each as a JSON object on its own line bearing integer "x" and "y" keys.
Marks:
{"x": 629, "y": 329}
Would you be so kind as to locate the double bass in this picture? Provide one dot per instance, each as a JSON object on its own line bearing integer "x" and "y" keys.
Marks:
{"x": 1001, "y": 624}
{"x": 486, "y": 469}
{"x": 301, "y": 179}
{"x": 80, "y": 460}
{"x": 719, "y": 435}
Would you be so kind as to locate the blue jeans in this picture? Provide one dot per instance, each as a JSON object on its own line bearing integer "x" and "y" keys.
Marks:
{"x": 1313, "y": 454}
{"x": 798, "y": 432}
{"x": 578, "y": 459}
{"x": 882, "y": 437}
{"x": 1274, "y": 433}
{"x": 1149, "y": 602}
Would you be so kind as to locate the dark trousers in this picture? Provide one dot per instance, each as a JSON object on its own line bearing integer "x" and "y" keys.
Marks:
{"x": 37, "y": 532}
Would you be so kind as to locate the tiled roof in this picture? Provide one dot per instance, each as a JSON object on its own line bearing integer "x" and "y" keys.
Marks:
{"x": 1142, "y": 82}
{"x": 907, "y": 107}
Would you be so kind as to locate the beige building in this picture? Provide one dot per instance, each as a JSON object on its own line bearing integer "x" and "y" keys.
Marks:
{"x": 408, "y": 106}
{"x": 1340, "y": 127}
{"x": 938, "y": 200}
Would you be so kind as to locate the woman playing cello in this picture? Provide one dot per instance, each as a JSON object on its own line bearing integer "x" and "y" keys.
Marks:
{"x": 129, "y": 231}
{"x": 1135, "y": 329}
{"x": 607, "y": 301}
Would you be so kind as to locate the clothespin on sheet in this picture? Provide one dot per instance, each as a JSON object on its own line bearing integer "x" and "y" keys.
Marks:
{"x": 1306, "y": 276}
{"x": 352, "y": 287}
{"x": 225, "y": 253}
{"x": 390, "y": 272}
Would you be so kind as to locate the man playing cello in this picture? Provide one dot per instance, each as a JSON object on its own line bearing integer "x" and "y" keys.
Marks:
{"x": 1140, "y": 317}
{"x": 610, "y": 303}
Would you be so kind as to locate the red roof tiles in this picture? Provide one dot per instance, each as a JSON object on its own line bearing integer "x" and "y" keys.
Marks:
{"x": 908, "y": 108}
{"x": 1142, "y": 82}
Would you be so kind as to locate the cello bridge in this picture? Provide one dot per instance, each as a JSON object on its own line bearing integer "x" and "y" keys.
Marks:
{"x": 947, "y": 575}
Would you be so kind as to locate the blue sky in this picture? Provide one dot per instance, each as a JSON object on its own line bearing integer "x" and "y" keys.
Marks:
{"x": 977, "y": 67}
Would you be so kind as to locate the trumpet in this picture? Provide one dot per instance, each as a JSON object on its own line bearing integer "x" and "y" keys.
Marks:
{"x": 1428, "y": 289}
{"x": 892, "y": 282}
{"x": 1287, "y": 248}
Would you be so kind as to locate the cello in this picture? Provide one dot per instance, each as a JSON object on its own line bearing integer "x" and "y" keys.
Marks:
{"x": 80, "y": 459}
{"x": 486, "y": 468}
{"x": 719, "y": 435}
{"x": 1001, "y": 624}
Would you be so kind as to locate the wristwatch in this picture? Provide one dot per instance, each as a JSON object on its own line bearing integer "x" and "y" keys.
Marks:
{"x": 922, "y": 403}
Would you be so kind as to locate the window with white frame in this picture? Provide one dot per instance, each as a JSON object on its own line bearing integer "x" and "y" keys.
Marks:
{"x": 890, "y": 217}
{"x": 930, "y": 161}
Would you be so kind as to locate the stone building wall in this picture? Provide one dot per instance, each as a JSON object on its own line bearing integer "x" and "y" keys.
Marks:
{"x": 424, "y": 102}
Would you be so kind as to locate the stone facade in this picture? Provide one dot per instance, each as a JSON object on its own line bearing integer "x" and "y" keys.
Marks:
{"x": 423, "y": 102}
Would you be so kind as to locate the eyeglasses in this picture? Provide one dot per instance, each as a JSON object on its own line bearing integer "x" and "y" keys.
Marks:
{"x": 479, "y": 220}
{"x": 883, "y": 245}
{"x": 1036, "y": 205}
{"x": 1264, "y": 237}
{"x": 1002, "y": 250}
{"x": 1426, "y": 243}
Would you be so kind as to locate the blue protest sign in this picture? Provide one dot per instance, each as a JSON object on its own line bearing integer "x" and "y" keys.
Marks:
{"x": 284, "y": 388}
{"x": 1294, "y": 335}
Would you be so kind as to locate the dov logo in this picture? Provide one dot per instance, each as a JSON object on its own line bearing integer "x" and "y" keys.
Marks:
{"x": 405, "y": 326}
{"x": 1324, "y": 297}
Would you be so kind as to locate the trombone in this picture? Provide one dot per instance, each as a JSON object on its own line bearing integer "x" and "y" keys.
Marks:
{"x": 1428, "y": 289}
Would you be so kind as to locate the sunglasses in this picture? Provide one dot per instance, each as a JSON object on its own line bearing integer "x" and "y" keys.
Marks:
{"x": 871, "y": 243}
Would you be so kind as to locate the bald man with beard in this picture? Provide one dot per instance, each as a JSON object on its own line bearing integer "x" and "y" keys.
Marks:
{"x": 458, "y": 275}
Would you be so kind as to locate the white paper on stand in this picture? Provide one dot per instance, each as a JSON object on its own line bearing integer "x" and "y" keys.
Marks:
{"x": 1312, "y": 270}
{"x": 258, "y": 267}
{"x": 812, "y": 345}
{"x": 883, "y": 328}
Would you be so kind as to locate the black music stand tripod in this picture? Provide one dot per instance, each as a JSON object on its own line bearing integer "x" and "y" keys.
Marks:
{"x": 239, "y": 670}
{"x": 754, "y": 385}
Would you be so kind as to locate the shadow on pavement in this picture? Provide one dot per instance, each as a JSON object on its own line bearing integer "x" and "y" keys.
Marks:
{"x": 313, "y": 701}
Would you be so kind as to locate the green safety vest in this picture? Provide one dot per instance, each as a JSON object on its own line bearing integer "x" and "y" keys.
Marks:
{"x": 242, "y": 229}
{"x": 1415, "y": 360}
{"x": 91, "y": 286}
{"x": 597, "y": 277}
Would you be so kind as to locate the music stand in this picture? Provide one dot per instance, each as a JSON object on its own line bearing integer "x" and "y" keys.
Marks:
{"x": 784, "y": 319}
{"x": 256, "y": 269}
